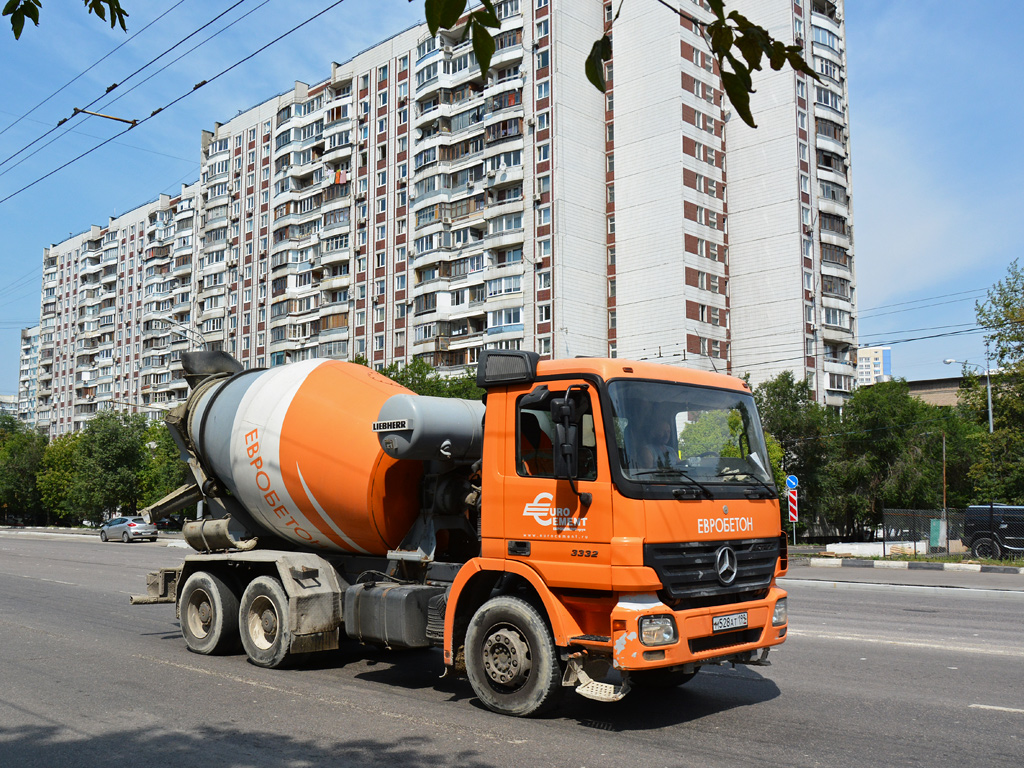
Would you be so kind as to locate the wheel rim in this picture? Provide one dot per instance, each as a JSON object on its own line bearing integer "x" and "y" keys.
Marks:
{"x": 507, "y": 658}
{"x": 199, "y": 613}
{"x": 262, "y": 622}
{"x": 124, "y": 538}
{"x": 985, "y": 550}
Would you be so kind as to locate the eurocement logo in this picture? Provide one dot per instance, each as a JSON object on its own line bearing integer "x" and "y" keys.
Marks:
{"x": 545, "y": 513}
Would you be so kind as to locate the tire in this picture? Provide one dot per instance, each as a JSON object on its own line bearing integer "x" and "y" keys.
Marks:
{"x": 209, "y": 615}
{"x": 103, "y": 536}
{"x": 661, "y": 679}
{"x": 986, "y": 548}
{"x": 511, "y": 658}
{"x": 126, "y": 538}
{"x": 264, "y": 624}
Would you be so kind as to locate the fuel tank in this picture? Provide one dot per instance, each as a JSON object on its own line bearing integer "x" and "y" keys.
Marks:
{"x": 295, "y": 445}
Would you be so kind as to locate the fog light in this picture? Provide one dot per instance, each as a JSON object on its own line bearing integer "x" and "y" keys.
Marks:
{"x": 781, "y": 615}
{"x": 658, "y": 630}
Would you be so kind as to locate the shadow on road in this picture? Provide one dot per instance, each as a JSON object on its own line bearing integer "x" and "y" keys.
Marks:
{"x": 224, "y": 747}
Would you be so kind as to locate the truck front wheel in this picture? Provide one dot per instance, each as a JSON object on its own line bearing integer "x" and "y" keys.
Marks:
{"x": 511, "y": 658}
{"x": 209, "y": 614}
{"x": 263, "y": 618}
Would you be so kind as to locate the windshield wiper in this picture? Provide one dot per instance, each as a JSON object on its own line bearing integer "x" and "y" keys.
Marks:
{"x": 738, "y": 472}
{"x": 676, "y": 472}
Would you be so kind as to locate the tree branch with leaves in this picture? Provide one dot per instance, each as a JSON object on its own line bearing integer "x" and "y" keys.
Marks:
{"x": 736, "y": 43}
{"x": 21, "y": 11}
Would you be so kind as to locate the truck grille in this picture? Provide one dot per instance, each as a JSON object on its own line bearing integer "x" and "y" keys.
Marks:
{"x": 689, "y": 579}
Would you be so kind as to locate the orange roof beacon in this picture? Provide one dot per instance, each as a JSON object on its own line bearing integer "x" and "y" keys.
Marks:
{"x": 594, "y": 524}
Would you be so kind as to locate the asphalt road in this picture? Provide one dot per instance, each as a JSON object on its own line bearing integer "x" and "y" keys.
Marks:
{"x": 872, "y": 674}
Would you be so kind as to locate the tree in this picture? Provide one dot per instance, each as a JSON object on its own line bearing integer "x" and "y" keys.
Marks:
{"x": 422, "y": 379}
{"x": 56, "y": 478}
{"x": 21, "y": 450}
{"x": 790, "y": 416}
{"x": 998, "y": 469}
{"x": 22, "y": 10}
{"x": 111, "y": 453}
{"x": 162, "y": 468}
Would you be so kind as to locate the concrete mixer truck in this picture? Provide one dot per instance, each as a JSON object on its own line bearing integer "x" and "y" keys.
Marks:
{"x": 594, "y": 524}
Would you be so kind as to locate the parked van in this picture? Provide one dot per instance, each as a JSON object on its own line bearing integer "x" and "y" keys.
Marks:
{"x": 994, "y": 531}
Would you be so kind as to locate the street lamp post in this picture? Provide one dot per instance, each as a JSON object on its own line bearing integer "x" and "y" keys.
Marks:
{"x": 182, "y": 330}
{"x": 988, "y": 383}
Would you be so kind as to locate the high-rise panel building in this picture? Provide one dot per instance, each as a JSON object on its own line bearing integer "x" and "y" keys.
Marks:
{"x": 28, "y": 370}
{"x": 406, "y": 207}
{"x": 874, "y": 364}
{"x": 791, "y": 210}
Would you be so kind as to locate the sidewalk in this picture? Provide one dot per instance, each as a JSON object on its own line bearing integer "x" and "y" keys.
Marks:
{"x": 903, "y": 573}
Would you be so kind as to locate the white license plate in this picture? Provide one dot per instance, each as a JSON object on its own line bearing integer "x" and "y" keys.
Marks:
{"x": 732, "y": 621}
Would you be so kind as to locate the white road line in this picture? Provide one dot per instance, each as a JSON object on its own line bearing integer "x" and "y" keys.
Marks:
{"x": 957, "y": 647}
{"x": 997, "y": 709}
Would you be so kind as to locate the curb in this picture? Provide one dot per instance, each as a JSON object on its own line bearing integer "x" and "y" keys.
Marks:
{"x": 830, "y": 562}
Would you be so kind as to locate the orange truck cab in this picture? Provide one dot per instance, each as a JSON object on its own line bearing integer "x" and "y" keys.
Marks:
{"x": 651, "y": 538}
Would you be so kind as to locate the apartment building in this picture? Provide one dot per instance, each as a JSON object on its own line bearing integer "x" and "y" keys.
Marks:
{"x": 405, "y": 207}
{"x": 101, "y": 343}
{"x": 874, "y": 364}
{"x": 792, "y": 264}
{"x": 28, "y": 369}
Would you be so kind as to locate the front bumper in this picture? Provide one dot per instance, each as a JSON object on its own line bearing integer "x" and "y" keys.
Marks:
{"x": 697, "y": 641}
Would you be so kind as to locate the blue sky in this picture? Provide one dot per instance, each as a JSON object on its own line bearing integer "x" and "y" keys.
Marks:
{"x": 934, "y": 104}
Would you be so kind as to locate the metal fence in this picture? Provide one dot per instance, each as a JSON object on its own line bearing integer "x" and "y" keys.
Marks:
{"x": 992, "y": 531}
{"x": 924, "y": 532}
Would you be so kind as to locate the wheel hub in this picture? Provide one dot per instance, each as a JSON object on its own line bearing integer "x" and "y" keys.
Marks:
{"x": 205, "y": 614}
{"x": 268, "y": 622}
{"x": 506, "y": 658}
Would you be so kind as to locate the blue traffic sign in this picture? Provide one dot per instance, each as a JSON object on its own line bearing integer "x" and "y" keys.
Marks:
{"x": 791, "y": 481}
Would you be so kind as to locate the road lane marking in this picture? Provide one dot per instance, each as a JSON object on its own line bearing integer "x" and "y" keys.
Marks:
{"x": 977, "y": 649}
{"x": 997, "y": 709}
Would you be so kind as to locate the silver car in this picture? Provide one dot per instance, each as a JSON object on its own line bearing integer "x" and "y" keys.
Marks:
{"x": 127, "y": 529}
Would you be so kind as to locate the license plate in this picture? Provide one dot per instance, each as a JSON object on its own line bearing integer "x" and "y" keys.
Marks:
{"x": 732, "y": 621}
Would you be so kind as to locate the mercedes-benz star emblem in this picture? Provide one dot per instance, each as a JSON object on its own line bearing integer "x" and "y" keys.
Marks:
{"x": 726, "y": 565}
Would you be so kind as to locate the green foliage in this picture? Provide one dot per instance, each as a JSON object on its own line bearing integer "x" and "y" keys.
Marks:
{"x": 422, "y": 379}
{"x": 21, "y": 450}
{"x": 162, "y": 468}
{"x": 56, "y": 479}
{"x": 111, "y": 454}
{"x": 22, "y": 10}
{"x": 998, "y": 468}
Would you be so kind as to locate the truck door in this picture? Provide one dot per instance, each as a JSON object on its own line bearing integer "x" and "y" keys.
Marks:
{"x": 547, "y": 524}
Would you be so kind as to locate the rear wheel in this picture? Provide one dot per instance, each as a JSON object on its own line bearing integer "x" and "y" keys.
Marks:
{"x": 986, "y": 549}
{"x": 263, "y": 620}
{"x": 511, "y": 658}
{"x": 126, "y": 538}
{"x": 209, "y": 614}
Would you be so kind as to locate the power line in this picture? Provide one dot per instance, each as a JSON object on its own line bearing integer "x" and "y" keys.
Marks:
{"x": 90, "y": 67}
{"x": 109, "y": 89}
{"x": 185, "y": 95}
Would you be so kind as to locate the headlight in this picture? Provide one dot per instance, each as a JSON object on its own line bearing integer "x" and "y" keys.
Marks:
{"x": 781, "y": 615}
{"x": 658, "y": 630}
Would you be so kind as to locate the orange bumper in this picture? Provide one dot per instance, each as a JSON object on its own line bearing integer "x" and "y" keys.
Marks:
{"x": 697, "y": 639}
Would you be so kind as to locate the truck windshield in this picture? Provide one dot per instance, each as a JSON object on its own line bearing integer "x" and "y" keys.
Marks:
{"x": 679, "y": 433}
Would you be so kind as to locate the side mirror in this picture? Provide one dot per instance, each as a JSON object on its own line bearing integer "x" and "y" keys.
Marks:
{"x": 566, "y": 416}
{"x": 565, "y": 459}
